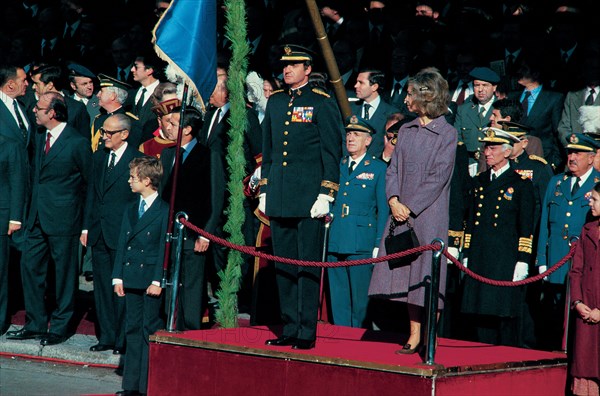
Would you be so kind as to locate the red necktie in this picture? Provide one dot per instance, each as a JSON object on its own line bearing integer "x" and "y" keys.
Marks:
{"x": 461, "y": 96}
{"x": 47, "y": 148}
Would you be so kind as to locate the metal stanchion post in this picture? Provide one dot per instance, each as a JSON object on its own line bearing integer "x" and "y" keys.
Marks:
{"x": 174, "y": 284}
{"x": 328, "y": 219}
{"x": 565, "y": 340}
{"x": 432, "y": 305}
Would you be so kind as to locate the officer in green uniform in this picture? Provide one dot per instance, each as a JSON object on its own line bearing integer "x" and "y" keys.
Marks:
{"x": 302, "y": 132}
{"x": 111, "y": 97}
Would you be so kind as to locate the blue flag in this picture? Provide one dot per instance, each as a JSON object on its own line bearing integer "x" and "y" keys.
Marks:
{"x": 186, "y": 37}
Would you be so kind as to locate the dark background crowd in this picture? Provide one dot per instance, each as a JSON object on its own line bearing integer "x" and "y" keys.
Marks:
{"x": 555, "y": 40}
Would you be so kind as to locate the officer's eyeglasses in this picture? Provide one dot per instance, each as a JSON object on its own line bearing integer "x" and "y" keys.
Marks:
{"x": 110, "y": 133}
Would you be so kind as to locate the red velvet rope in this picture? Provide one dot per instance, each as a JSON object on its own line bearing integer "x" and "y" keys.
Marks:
{"x": 527, "y": 281}
{"x": 253, "y": 252}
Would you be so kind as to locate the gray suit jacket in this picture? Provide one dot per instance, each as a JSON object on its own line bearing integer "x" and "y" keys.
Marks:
{"x": 469, "y": 125}
{"x": 569, "y": 121}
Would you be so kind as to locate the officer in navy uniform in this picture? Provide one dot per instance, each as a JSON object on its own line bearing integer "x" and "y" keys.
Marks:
{"x": 114, "y": 107}
{"x": 564, "y": 211}
{"x": 537, "y": 170}
{"x": 302, "y": 132}
{"x": 360, "y": 213}
{"x": 498, "y": 243}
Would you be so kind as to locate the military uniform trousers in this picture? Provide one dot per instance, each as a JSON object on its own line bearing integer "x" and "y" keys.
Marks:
{"x": 349, "y": 290}
{"x": 298, "y": 286}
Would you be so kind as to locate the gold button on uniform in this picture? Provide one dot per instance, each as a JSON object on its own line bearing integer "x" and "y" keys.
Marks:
{"x": 480, "y": 205}
{"x": 478, "y": 214}
{"x": 285, "y": 153}
{"x": 496, "y": 216}
{"x": 347, "y": 183}
{"x": 345, "y": 193}
{"x": 285, "y": 133}
{"x": 285, "y": 143}
{"x": 284, "y": 163}
{"x": 289, "y": 113}
{"x": 481, "y": 197}
{"x": 287, "y": 123}
{"x": 497, "y": 207}
{"x": 570, "y": 203}
{"x": 476, "y": 223}
{"x": 568, "y": 214}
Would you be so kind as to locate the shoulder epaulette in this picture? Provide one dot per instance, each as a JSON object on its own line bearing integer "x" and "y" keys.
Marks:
{"x": 132, "y": 116}
{"x": 320, "y": 92}
{"x": 277, "y": 91}
{"x": 460, "y": 143}
{"x": 524, "y": 177}
{"x": 537, "y": 158}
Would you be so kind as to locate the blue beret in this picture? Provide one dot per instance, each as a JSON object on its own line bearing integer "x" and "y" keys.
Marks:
{"x": 78, "y": 70}
{"x": 485, "y": 74}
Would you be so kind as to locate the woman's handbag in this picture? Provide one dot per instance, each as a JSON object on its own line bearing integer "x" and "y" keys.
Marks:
{"x": 399, "y": 243}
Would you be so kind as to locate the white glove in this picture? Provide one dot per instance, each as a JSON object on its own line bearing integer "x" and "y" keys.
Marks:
{"x": 262, "y": 202}
{"x": 542, "y": 269}
{"x": 521, "y": 271}
{"x": 465, "y": 262}
{"x": 375, "y": 252}
{"x": 255, "y": 179}
{"x": 453, "y": 252}
{"x": 321, "y": 206}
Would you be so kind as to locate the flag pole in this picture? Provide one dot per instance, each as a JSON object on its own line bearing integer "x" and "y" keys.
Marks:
{"x": 169, "y": 235}
{"x": 332, "y": 69}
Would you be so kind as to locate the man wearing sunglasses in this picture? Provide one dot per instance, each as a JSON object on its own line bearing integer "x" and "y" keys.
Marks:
{"x": 61, "y": 175}
{"x": 109, "y": 190}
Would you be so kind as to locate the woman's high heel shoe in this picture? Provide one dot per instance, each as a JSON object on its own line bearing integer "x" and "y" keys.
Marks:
{"x": 407, "y": 349}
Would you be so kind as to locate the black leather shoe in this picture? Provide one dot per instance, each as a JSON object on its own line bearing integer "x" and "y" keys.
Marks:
{"x": 23, "y": 334}
{"x": 128, "y": 393}
{"x": 52, "y": 339}
{"x": 281, "y": 341}
{"x": 304, "y": 344}
{"x": 100, "y": 347}
{"x": 119, "y": 351}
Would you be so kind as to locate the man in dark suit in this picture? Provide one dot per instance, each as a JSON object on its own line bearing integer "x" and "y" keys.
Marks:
{"x": 302, "y": 127}
{"x": 371, "y": 107}
{"x": 51, "y": 79}
{"x": 62, "y": 166}
{"x": 542, "y": 110}
{"x": 215, "y": 135}
{"x": 200, "y": 193}
{"x": 14, "y": 123}
{"x": 138, "y": 268}
{"x": 13, "y": 179}
{"x": 146, "y": 70}
{"x": 108, "y": 190}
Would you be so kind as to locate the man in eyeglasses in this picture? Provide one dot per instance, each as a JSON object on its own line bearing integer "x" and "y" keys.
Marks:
{"x": 60, "y": 180}
{"x": 111, "y": 97}
{"x": 109, "y": 190}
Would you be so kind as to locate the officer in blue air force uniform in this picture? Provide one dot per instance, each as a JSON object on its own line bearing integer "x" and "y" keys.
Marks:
{"x": 564, "y": 211}
{"x": 359, "y": 214}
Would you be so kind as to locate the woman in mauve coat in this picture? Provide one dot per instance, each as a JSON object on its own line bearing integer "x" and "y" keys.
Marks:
{"x": 417, "y": 188}
{"x": 585, "y": 301}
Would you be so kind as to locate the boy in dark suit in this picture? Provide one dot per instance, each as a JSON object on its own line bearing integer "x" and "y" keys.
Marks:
{"x": 138, "y": 269}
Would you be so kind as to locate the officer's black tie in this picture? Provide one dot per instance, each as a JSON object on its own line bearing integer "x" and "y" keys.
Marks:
{"x": 351, "y": 167}
{"x": 575, "y": 186}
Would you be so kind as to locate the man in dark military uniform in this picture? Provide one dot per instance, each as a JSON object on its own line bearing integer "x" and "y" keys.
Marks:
{"x": 564, "y": 210}
{"x": 302, "y": 132}
{"x": 537, "y": 170}
{"x": 498, "y": 243}
{"x": 111, "y": 97}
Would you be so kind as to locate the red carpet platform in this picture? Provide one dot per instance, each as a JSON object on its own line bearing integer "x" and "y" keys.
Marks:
{"x": 345, "y": 361}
